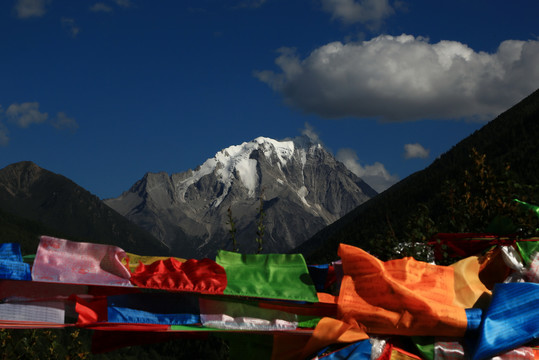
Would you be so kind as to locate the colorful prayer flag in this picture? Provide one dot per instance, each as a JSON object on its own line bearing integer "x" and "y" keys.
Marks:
{"x": 273, "y": 276}
{"x": 60, "y": 260}
{"x": 399, "y": 297}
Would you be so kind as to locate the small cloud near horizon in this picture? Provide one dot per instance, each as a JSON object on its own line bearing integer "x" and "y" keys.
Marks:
{"x": 26, "y": 114}
{"x": 124, "y": 3}
{"x": 70, "y": 26}
{"x": 106, "y": 8}
{"x": 368, "y": 12}
{"x": 101, "y": 7}
{"x": 311, "y": 133}
{"x": 62, "y": 121}
{"x": 415, "y": 151}
{"x": 25, "y": 9}
{"x": 376, "y": 175}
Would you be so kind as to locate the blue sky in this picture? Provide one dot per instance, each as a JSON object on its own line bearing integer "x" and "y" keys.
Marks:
{"x": 103, "y": 91}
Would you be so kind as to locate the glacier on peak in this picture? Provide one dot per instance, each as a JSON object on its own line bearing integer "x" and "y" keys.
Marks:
{"x": 236, "y": 159}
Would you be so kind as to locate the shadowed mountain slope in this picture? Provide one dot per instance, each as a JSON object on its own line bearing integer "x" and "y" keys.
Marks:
{"x": 35, "y": 201}
{"x": 512, "y": 137}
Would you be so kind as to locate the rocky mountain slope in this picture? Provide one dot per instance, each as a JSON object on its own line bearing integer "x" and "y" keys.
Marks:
{"x": 301, "y": 185}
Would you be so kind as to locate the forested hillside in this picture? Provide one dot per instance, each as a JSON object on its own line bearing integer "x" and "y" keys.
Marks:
{"x": 507, "y": 145}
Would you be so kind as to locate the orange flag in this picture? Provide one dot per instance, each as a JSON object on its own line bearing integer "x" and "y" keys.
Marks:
{"x": 469, "y": 290}
{"x": 398, "y": 297}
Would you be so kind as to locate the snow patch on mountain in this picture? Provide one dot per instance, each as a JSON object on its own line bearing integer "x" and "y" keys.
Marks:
{"x": 283, "y": 149}
{"x": 302, "y": 193}
{"x": 247, "y": 170}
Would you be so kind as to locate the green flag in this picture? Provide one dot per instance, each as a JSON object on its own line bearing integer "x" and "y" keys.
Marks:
{"x": 273, "y": 276}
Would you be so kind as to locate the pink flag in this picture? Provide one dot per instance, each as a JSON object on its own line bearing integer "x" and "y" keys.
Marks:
{"x": 59, "y": 260}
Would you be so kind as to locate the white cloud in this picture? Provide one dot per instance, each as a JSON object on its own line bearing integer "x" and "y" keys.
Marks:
{"x": 398, "y": 78}
{"x": 375, "y": 175}
{"x": 26, "y": 114}
{"x": 124, "y": 3}
{"x": 311, "y": 133}
{"x": 103, "y": 7}
{"x": 100, "y": 7}
{"x": 371, "y": 12}
{"x": 71, "y": 27}
{"x": 30, "y": 8}
{"x": 412, "y": 151}
{"x": 62, "y": 121}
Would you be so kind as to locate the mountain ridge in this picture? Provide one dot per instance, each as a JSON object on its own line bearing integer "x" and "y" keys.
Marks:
{"x": 30, "y": 192}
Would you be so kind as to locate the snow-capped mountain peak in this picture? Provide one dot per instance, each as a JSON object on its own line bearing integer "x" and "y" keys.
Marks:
{"x": 236, "y": 162}
{"x": 304, "y": 189}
